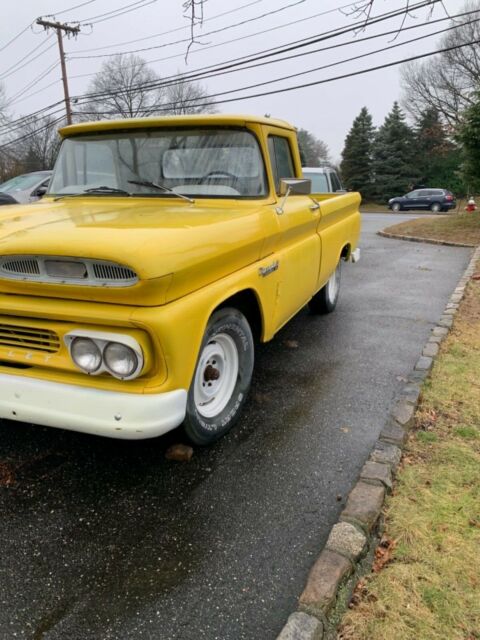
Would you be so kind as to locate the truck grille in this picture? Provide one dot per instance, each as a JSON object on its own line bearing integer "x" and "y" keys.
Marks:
{"x": 63, "y": 270}
{"x": 28, "y": 338}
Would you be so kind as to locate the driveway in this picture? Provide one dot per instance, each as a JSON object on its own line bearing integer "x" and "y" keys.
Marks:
{"x": 105, "y": 539}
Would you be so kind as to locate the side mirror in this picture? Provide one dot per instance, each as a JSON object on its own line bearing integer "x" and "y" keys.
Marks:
{"x": 41, "y": 191}
{"x": 299, "y": 186}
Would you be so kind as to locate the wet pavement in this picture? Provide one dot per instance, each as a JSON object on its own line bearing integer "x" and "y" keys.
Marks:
{"x": 104, "y": 539}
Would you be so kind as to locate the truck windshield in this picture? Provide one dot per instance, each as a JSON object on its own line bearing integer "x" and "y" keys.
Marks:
{"x": 221, "y": 163}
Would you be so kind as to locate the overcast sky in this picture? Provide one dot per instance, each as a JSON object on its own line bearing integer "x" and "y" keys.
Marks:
{"x": 327, "y": 110}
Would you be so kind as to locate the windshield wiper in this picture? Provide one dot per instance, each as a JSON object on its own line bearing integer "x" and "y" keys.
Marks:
{"x": 93, "y": 190}
{"x": 104, "y": 189}
{"x": 154, "y": 185}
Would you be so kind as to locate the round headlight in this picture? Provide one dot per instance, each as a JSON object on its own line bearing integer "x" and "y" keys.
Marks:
{"x": 121, "y": 360}
{"x": 86, "y": 354}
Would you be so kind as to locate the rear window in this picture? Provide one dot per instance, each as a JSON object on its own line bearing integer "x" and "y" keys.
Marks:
{"x": 319, "y": 181}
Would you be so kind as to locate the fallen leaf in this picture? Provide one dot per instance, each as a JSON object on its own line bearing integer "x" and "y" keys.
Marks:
{"x": 179, "y": 453}
{"x": 383, "y": 553}
{"x": 291, "y": 344}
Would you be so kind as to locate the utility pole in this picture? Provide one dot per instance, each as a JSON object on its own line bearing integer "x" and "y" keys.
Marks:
{"x": 59, "y": 27}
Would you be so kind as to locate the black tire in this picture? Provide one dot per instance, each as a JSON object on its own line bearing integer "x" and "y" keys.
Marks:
{"x": 435, "y": 207}
{"x": 326, "y": 299}
{"x": 219, "y": 388}
{"x": 396, "y": 207}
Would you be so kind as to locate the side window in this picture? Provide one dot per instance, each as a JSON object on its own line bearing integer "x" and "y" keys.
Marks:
{"x": 281, "y": 159}
{"x": 336, "y": 186}
{"x": 413, "y": 194}
{"x": 424, "y": 194}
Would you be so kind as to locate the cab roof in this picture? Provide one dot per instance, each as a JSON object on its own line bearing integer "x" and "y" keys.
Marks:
{"x": 196, "y": 120}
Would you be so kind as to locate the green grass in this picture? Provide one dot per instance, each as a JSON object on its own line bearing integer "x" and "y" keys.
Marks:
{"x": 463, "y": 228}
{"x": 431, "y": 588}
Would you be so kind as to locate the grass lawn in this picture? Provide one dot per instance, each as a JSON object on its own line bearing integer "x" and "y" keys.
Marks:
{"x": 429, "y": 586}
{"x": 463, "y": 228}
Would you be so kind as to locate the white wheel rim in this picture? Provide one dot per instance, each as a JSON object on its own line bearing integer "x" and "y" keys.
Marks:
{"x": 215, "y": 376}
{"x": 333, "y": 285}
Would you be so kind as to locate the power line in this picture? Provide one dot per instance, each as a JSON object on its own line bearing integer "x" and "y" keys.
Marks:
{"x": 287, "y": 89}
{"x": 204, "y": 35}
{"x": 5, "y": 74}
{"x": 248, "y": 59}
{"x": 40, "y": 77}
{"x": 16, "y": 99}
{"x": 201, "y": 74}
{"x": 231, "y": 41}
{"x": 291, "y": 46}
{"x": 15, "y": 37}
{"x": 77, "y": 6}
{"x": 305, "y": 85}
{"x": 32, "y": 133}
{"x": 165, "y": 33}
{"x": 118, "y": 12}
{"x": 22, "y": 122}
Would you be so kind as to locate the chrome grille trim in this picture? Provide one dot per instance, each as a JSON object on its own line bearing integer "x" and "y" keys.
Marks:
{"x": 29, "y": 338}
{"x": 98, "y": 273}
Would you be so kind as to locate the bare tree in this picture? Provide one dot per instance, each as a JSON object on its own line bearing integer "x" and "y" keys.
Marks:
{"x": 447, "y": 82}
{"x": 313, "y": 152}
{"x": 39, "y": 149}
{"x": 3, "y": 105}
{"x": 184, "y": 96}
{"x": 123, "y": 88}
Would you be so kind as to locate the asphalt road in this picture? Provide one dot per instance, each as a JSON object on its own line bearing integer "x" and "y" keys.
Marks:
{"x": 103, "y": 539}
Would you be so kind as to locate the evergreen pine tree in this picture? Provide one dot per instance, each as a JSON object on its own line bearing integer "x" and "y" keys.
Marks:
{"x": 356, "y": 165}
{"x": 469, "y": 137}
{"x": 433, "y": 150}
{"x": 393, "y": 153}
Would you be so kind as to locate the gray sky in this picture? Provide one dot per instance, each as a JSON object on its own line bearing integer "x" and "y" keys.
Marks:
{"x": 326, "y": 110}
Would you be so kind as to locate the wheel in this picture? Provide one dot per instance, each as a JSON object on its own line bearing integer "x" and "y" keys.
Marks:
{"x": 396, "y": 207}
{"x": 435, "y": 207}
{"x": 325, "y": 300}
{"x": 222, "y": 377}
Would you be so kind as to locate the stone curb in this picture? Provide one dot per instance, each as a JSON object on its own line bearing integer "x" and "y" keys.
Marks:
{"x": 386, "y": 234}
{"x": 353, "y": 536}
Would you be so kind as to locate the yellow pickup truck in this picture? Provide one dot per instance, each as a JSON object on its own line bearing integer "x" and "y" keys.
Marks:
{"x": 133, "y": 294}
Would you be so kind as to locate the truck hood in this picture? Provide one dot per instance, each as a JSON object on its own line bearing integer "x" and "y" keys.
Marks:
{"x": 184, "y": 245}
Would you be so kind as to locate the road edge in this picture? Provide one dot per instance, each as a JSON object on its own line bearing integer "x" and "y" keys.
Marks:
{"x": 349, "y": 549}
{"x": 386, "y": 234}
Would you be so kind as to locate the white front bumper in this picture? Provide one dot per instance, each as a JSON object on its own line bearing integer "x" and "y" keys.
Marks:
{"x": 104, "y": 413}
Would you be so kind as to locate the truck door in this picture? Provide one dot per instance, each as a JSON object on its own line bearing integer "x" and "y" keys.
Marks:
{"x": 298, "y": 244}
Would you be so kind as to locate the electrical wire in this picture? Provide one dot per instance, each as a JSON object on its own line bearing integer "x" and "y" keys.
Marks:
{"x": 32, "y": 133}
{"x": 165, "y": 33}
{"x": 282, "y": 90}
{"x": 184, "y": 40}
{"x": 77, "y": 6}
{"x": 37, "y": 79}
{"x": 302, "y": 86}
{"x": 15, "y": 37}
{"x": 118, "y": 12}
{"x": 231, "y": 41}
{"x": 22, "y": 119}
{"x": 277, "y": 50}
{"x": 5, "y": 74}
